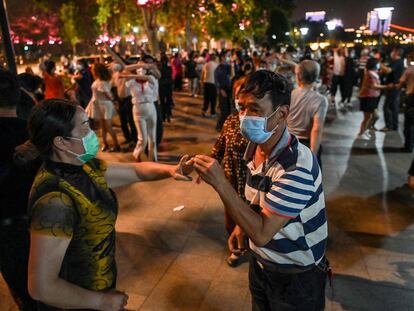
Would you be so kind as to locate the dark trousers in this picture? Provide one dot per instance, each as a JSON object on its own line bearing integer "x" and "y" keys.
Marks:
{"x": 225, "y": 109}
{"x": 14, "y": 256}
{"x": 166, "y": 101}
{"x": 210, "y": 97}
{"x": 273, "y": 291}
{"x": 338, "y": 81}
{"x": 391, "y": 109}
{"x": 178, "y": 83}
{"x": 409, "y": 123}
{"x": 411, "y": 170}
{"x": 127, "y": 120}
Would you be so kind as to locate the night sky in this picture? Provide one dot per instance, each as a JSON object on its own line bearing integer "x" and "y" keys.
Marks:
{"x": 354, "y": 12}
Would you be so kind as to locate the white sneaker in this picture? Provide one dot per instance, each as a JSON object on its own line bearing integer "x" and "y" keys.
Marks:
{"x": 364, "y": 137}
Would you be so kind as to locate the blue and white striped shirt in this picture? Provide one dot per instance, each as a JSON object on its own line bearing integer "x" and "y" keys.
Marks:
{"x": 295, "y": 192}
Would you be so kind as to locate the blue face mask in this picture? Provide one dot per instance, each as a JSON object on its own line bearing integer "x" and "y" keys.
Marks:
{"x": 90, "y": 144}
{"x": 254, "y": 128}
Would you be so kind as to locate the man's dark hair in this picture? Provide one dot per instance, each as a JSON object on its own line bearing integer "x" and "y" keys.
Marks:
{"x": 371, "y": 63}
{"x": 9, "y": 89}
{"x": 51, "y": 118}
{"x": 49, "y": 66}
{"x": 399, "y": 51}
{"x": 264, "y": 82}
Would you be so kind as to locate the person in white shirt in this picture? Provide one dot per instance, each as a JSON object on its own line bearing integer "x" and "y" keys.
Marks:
{"x": 210, "y": 90}
{"x": 338, "y": 74}
{"x": 143, "y": 87}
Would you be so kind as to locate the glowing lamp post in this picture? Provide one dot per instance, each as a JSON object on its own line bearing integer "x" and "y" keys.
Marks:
{"x": 331, "y": 25}
{"x": 384, "y": 14}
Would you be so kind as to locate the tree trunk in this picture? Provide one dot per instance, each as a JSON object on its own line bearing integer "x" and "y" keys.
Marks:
{"x": 151, "y": 30}
{"x": 188, "y": 39}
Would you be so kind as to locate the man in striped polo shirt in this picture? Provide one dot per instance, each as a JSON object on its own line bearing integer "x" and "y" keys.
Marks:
{"x": 286, "y": 222}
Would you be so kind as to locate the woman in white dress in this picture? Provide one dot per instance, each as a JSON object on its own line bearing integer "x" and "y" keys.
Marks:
{"x": 101, "y": 107}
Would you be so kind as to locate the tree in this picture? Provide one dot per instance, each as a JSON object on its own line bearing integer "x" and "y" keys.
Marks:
{"x": 69, "y": 14}
{"x": 277, "y": 27}
{"x": 149, "y": 11}
{"x": 189, "y": 14}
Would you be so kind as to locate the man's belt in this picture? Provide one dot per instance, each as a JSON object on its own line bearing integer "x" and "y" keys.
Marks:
{"x": 269, "y": 266}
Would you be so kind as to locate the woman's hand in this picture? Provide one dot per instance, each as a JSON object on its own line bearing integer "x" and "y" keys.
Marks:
{"x": 183, "y": 169}
{"x": 114, "y": 301}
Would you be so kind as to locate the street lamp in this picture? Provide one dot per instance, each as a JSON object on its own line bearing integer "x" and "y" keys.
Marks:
{"x": 384, "y": 14}
{"x": 304, "y": 31}
{"x": 331, "y": 25}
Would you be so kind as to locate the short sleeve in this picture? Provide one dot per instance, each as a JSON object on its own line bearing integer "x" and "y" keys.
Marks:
{"x": 53, "y": 214}
{"x": 290, "y": 193}
{"x": 152, "y": 80}
{"x": 130, "y": 83}
{"x": 322, "y": 109}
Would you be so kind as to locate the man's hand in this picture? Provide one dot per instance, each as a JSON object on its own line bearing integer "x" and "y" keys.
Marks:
{"x": 235, "y": 242}
{"x": 209, "y": 170}
{"x": 114, "y": 301}
{"x": 183, "y": 169}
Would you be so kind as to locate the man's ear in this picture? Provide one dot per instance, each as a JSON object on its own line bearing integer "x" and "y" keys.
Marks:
{"x": 283, "y": 112}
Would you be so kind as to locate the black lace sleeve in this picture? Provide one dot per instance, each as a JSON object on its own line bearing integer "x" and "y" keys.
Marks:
{"x": 53, "y": 214}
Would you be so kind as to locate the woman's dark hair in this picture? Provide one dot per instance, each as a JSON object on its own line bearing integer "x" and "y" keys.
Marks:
{"x": 49, "y": 66}
{"x": 49, "y": 119}
{"x": 101, "y": 72}
{"x": 264, "y": 82}
{"x": 371, "y": 63}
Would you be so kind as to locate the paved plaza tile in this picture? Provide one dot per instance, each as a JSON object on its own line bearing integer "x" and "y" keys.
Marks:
{"x": 175, "y": 260}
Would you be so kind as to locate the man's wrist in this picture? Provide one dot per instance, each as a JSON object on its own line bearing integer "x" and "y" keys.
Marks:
{"x": 221, "y": 186}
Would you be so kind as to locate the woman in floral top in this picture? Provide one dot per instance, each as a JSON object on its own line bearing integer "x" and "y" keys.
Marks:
{"x": 229, "y": 150}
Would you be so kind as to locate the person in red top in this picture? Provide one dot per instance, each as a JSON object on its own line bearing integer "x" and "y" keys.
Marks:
{"x": 368, "y": 95}
{"x": 53, "y": 83}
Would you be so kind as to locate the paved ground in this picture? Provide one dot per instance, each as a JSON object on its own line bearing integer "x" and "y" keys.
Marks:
{"x": 175, "y": 260}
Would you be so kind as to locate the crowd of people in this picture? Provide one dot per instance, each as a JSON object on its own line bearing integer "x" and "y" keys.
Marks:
{"x": 265, "y": 165}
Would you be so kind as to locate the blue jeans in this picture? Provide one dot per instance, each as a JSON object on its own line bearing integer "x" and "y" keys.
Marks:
{"x": 273, "y": 291}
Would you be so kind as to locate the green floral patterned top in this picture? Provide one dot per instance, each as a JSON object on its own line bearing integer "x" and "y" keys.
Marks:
{"x": 75, "y": 202}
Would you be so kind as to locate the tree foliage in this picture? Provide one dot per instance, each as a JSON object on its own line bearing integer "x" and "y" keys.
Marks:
{"x": 69, "y": 14}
